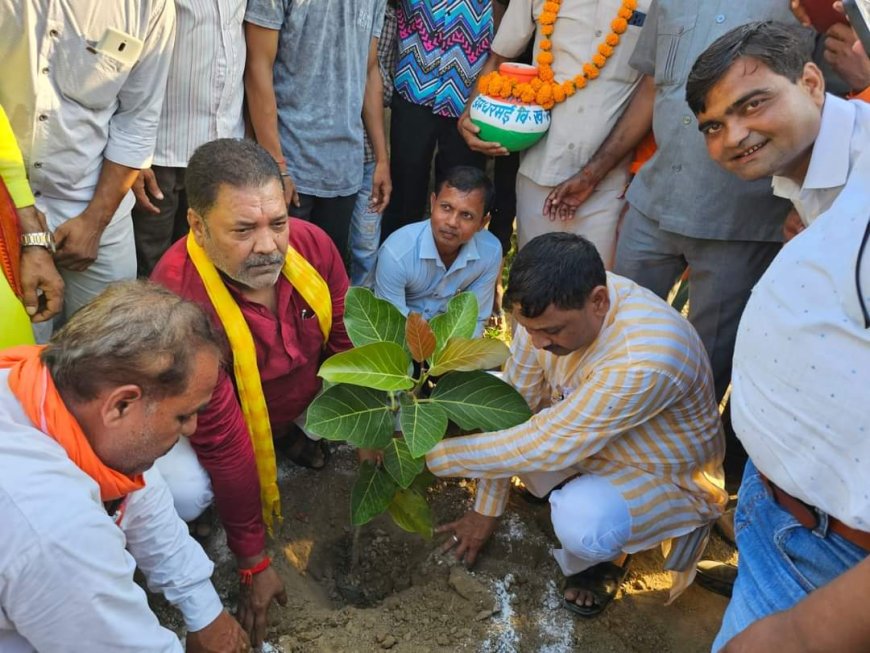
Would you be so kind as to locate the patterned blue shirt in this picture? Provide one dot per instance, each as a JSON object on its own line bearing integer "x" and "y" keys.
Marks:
{"x": 443, "y": 45}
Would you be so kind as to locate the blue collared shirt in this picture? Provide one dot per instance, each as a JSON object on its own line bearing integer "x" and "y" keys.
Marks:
{"x": 411, "y": 275}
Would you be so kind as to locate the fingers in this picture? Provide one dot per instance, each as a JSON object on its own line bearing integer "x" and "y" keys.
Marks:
{"x": 146, "y": 182}
{"x": 260, "y": 623}
{"x": 281, "y": 597}
{"x": 151, "y": 183}
{"x": 245, "y": 614}
{"x": 469, "y": 132}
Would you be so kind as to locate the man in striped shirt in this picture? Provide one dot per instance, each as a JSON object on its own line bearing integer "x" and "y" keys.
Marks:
{"x": 626, "y": 427}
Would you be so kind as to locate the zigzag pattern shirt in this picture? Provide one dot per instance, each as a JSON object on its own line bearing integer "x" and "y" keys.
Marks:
{"x": 443, "y": 45}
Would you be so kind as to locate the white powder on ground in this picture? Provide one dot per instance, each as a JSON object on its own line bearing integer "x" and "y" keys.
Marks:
{"x": 504, "y": 637}
{"x": 555, "y": 623}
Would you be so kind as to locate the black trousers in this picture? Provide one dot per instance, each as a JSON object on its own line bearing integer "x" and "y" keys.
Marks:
{"x": 155, "y": 233}
{"x": 332, "y": 214}
{"x": 415, "y": 134}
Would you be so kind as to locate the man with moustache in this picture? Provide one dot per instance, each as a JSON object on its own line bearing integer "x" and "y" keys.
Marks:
{"x": 423, "y": 265}
{"x": 801, "y": 361}
{"x": 626, "y": 435}
{"x": 81, "y": 422}
{"x": 276, "y": 287}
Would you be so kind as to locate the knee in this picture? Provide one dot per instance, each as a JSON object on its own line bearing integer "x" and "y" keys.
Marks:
{"x": 590, "y": 525}
{"x": 187, "y": 481}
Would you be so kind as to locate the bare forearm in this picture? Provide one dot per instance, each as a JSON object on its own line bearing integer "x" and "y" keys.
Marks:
{"x": 632, "y": 126}
{"x": 373, "y": 112}
{"x": 30, "y": 220}
{"x": 259, "y": 88}
{"x": 114, "y": 183}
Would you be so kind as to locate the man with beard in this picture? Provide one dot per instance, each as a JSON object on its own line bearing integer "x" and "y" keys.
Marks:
{"x": 423, "y": 265}
{"x": 276, "y": 287}
{"x": 626, "y": 438}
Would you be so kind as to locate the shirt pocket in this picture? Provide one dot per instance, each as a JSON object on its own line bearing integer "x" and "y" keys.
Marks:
{"x": 674, "y": 39}
{"x": 90, "y": 78}
{"x": 618, "y": 67}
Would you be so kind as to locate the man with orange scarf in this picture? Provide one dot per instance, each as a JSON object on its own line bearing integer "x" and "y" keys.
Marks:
{"x": 81, "y": 422}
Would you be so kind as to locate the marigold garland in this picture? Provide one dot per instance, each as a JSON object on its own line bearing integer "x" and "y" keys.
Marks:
{"x": 543, "y": 89}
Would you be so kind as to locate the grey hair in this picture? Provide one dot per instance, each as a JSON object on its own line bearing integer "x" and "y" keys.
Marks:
{"x": 236, "y": 162}
{"x": 134, "y": 332}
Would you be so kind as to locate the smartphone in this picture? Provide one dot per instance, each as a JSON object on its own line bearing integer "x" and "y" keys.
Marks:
{"x": 858, "y": 12}
{"x": 119, "y": 46}
{"x": 822, "y": 14}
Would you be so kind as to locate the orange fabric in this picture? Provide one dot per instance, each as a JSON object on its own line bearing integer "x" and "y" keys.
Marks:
{"x": 10, "y": 249}
{"x": 863, "y": 95}
{"x": 31, "y": 383}
{"x": 643, "y": 152}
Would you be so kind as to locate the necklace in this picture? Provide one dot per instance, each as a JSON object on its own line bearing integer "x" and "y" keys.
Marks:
{"x": 543, "y": 89}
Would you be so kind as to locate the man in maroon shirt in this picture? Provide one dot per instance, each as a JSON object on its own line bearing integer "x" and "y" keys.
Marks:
{"x": 238, "y": 217}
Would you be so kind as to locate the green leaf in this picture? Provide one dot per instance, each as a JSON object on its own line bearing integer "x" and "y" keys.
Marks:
{"x": 410, "y": 511}
{"x": 369, "y": 319}
{"x": 459, "y": 321}
{"x": 420, "y": 338}
{"x": 477, "y": 400}
{"x": 361, "y": 416}
{"x": 371, "y": 494}
{"x": 466, "y": 354}
{"x": 424, "y": 423}
{"x": 400, "y": 464}
{"x": 380, "y": 365}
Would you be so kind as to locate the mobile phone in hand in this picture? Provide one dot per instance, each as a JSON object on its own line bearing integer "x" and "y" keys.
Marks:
{"x": 822, "y": 14}
{"x": 858, "y": 12}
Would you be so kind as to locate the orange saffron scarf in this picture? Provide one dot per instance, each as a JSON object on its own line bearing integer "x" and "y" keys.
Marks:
{"x": 34, "y": 388}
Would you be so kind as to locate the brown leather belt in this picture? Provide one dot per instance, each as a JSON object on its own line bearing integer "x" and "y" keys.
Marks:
{"x": 808, "y": 517}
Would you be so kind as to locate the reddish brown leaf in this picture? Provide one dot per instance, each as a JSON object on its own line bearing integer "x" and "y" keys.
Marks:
{"x": 419, "y": 336}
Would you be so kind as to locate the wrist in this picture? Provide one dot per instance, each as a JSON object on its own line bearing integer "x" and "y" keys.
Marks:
{"x": 97, "y": 215}
{"x": 246, "y": 562}
{"x": 246, "y": 574}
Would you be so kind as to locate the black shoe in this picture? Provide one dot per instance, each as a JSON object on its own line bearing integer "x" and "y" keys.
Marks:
{"x": 716, "y": 576}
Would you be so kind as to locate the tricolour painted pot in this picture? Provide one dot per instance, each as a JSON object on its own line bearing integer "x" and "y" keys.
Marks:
{"x": 515, "y": 126}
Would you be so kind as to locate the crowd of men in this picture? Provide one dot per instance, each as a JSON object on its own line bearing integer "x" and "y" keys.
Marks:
{"x": 235, "y": 157}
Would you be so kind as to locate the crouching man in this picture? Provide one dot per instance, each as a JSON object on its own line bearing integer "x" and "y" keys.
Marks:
{"x": 81, "y": 422}
{"x": 626, "y": 435}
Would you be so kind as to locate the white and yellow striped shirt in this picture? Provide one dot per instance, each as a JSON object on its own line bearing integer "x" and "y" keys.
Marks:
{"x": 635, "y": 407}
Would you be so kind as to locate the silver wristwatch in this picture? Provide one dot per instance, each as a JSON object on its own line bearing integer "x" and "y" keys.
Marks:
{"x": 39, "y": 239}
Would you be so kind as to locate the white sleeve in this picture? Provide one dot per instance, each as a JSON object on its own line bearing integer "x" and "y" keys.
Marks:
{"x": 173, "y": 562}
{"x": 70, "y": 588}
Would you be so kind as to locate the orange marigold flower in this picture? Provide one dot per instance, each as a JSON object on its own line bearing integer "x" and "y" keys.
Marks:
{"x": 580, "y": 81}
{"x": 612, "y": 39}
{"x": 558, "y": 93}
{"x": 546, "y": 44}
{"x": 544, "y": 95}
{"x": 599, "y": 60}
{"x": 605, "y": 50}
{"x": 568, "y": 87}
{"x": 547, "y": 18}
{"x": 619, "y": 25}
{"x": 536, "y": 83}
{"x": 528, "y": 95}
{"x": 630, "y": 4}
{"x": 551, "y": 7}
{"x": 546, "y": 30}
{"x": 505, "y": 92}
{"x": 494, "y": 86}
{"x": 546, "y": 74}
{"x": 624, "y": 13}
{"x": 549, "y": 104}
{"x": 483, "y": 85}
{"x": 545, "y": 58}
{"x": 590, "y": 71}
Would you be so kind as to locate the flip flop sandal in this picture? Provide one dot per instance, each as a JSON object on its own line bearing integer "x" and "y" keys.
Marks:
{"x": 602, "y": 580}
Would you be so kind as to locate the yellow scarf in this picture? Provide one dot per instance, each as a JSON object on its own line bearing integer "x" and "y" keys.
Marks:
{"x": 314, "y": 290}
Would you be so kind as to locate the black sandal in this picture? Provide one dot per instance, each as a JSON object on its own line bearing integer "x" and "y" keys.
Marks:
{"x": 312, "y": 454}
{"x": 602, "y": 580}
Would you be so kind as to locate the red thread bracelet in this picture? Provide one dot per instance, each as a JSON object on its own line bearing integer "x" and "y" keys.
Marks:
{"x": 247, "y": 575}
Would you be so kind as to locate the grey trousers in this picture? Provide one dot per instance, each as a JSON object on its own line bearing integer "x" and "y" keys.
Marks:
{"x": 723, "y": 274}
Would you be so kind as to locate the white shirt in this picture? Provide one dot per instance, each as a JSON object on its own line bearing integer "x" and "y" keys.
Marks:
{"x": 579, "y": 124}
{"x": 205, "y": 89}
{"x": 841, "y": 152}
{"x": 801, "y": 381}
{"x": 66, "y": 568}
{"x": 71, "y": 106}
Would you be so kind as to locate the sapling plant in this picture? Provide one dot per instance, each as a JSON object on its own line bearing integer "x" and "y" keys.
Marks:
{"x": 398, "y": 390}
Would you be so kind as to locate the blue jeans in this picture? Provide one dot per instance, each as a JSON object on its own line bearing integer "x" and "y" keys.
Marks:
{"x": 780, "y": 560}
{"x": 365, "y": 233}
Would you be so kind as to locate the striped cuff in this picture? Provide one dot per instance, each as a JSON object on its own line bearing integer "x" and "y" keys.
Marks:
{"x": 492, "y": 495}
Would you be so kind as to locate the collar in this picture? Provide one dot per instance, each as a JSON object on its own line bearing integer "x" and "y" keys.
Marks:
{"x": 829, "y": 161}
{"x": 428, "y": 249}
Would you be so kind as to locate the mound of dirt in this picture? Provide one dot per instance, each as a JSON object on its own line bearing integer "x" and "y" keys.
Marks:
{"x": 402, "y": 595}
